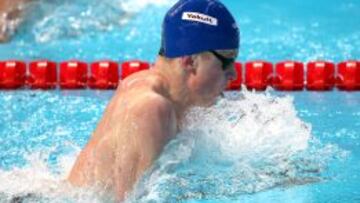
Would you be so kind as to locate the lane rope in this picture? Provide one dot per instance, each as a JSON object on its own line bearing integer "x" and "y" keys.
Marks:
{"x": 107, "y": 74}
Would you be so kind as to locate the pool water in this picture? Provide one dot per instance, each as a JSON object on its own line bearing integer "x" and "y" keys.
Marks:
{"x": 251, "y": 147}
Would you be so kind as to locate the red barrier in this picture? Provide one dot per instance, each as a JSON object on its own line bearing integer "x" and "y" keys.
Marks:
{"x": 349, "y": 75}
{"x": 289, "y": 75}
{"x": 12, "y": 74}
{"x": 258, "y": 74}
{"x": 320, "y": 75}
{"x": 130, "y": 67}
{"x": 73, "y": 75}
{"x": 236, "y": 83}
{"x": 42, "y": 75}
{"x": 104, "y": 75}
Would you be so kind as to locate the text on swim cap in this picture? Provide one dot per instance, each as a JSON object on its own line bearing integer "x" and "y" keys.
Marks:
{"x": 199, "y": 17}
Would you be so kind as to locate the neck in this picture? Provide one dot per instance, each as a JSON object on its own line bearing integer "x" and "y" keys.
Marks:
{"x": 175, "y": 85}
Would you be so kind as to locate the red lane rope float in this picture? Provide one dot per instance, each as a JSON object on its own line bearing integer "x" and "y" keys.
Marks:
{"x": 320, "y": 75}
{"x": 12, "y": 74}
{"x": 130, "y": 67}
{"x": 289, "y": 76}
{"x": 348, "y": 77}
{"x": 104, "y": 75}
{"x": 73, "y": 74}
{"x": 42, "y": 75}
{"x": 258, "y": 75}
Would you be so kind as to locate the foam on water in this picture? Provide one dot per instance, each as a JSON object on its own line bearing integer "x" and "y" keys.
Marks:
{"x": 37, "y": 182}
{"x": 247, "y": 143}
{"x": 250, "y": 144}
{"x": 66, "y": 19}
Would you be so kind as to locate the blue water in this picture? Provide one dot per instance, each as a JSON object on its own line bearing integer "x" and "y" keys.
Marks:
{"x": 273, "y": 147}
{"x": 276, "y": 30}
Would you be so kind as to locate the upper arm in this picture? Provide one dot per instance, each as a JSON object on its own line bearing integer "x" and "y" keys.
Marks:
{"x": 154, "y": 120}
{"x": 149, "y": 125}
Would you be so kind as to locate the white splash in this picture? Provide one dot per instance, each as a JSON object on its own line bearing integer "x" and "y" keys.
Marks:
{"x": 37, "y": 182}
{"x": 249, "y": 144}
{"x": 255, "y": 124}
{"x": 69, "y": 19}
{"x": 138, "y": 5}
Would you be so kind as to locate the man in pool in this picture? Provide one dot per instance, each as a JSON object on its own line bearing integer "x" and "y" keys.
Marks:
{"x": 200, "y": 42}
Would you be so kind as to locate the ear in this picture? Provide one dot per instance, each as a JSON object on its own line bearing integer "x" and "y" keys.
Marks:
{"x": 188, "y": 63}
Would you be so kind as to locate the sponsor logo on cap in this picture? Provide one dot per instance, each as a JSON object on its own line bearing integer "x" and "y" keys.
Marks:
{"x": 199, "y": 17}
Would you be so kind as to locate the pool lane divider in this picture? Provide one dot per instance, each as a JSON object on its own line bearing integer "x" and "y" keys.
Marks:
{"x": 255, "y": 75}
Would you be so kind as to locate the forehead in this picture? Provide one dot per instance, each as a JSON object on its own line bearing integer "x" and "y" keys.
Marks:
{"x": 228, "y": 53}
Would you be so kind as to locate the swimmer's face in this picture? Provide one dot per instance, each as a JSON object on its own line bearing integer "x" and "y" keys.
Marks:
{"x": 212, "y": 75}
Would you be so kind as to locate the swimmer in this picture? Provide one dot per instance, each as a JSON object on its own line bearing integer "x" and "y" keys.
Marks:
{"x": 11, "y": 14}
{"x": 200, "y": 41}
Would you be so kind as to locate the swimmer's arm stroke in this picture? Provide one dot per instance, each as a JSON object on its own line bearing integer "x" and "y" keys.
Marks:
{"x": 152, "y": 123}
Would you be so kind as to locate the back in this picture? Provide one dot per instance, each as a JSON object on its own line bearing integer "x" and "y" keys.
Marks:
{"x": 136, "y": 125}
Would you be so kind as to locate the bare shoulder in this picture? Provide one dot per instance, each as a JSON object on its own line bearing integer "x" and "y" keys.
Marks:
{"x": 153, "y": 103}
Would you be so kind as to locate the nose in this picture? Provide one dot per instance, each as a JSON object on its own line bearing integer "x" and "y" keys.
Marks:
{"x": 230, "y": 73}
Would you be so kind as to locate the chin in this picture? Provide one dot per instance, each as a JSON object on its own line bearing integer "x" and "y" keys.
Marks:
{"x": 206, "y": 105}
{"x": 209, "y": 102}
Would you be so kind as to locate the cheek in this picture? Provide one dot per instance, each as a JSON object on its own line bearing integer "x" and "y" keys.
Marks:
{"x": 212, "y": 80}
{"x": 216, "y": 76}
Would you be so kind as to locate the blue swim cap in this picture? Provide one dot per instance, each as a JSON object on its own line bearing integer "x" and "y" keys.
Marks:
{"x": 195, "y": 26}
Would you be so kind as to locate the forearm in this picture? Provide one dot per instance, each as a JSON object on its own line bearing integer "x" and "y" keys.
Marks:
{"x": 132, "y": 170}
{"x": 125, "y": 176}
